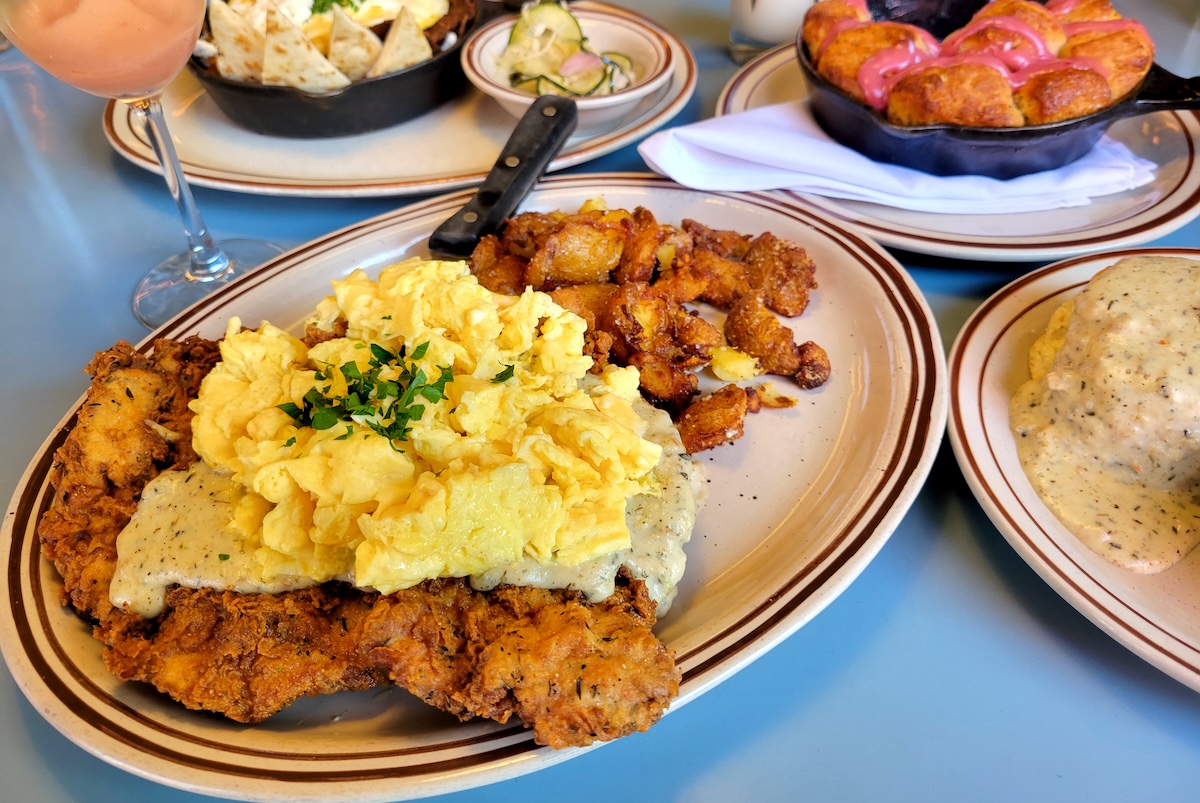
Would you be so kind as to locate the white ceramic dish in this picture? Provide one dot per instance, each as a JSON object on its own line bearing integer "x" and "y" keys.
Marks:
{"x": 1168, "y": 139}
{"x": 1155, "y": 616}
{"x": 452, "y": 147}
{"x": 796, "y": 510}
{"x": 606, "y": 29}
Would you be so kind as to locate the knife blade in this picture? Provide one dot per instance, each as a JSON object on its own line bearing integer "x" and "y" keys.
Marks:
{"x": 536, "y": 140}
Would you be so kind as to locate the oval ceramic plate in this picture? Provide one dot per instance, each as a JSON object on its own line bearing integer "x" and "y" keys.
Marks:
{"x": 451, "y": 147}
{"x": 1155, "y": 616}
{"x": 1168, "y": 139}
{"x": 796, "y": 510}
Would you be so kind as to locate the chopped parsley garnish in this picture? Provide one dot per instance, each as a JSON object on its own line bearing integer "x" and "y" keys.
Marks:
{"x": 388, "y": 406}
{"x": 321, "y": 6}
{"x": 506, "y": 374}
{"x": 222, "y": 556}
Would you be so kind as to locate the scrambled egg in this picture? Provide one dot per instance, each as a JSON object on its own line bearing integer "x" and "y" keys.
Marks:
{"x": 507, "y": 454}
{"x": 1048, "y": 343}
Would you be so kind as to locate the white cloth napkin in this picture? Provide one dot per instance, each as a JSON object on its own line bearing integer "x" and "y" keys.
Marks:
{"x": 781, "y": 147}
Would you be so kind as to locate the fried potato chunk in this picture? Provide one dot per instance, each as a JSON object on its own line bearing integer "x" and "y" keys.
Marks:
{"x": 712, "y": 420}
{"x": 652, "y": 248}
{"x": 496, "y": 268}
{"x": 582, "y": 249}
{"x": 722, "y": 242}
{"x": 663, "y": 384}
{"x": 783, "y": 271}
{"x": 588, "y": 301}
{"x": 525, "y": 233}
{"x": 681, "y": 283}
{"x": 725, "y": 281}
{"x": 752, "y": 328}
{"x": 641, "y": 321}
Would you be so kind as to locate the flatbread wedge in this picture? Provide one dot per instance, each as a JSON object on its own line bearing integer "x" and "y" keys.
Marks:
{"x": 239, "y": 46}
{"x": 404, "y": 46}
{"x": 290, "y": 59}
{"x": 353, "y": 48}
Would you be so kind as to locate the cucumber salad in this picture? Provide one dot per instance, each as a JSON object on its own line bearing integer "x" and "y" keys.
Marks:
{"x": 547, "y": 54}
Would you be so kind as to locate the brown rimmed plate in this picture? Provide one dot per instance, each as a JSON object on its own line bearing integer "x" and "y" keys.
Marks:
{"x": 1171, "y": 200}
{"x": 796, "y": 510}
{"x": 1154, "y": 616}
{"x": 451, "y": 147}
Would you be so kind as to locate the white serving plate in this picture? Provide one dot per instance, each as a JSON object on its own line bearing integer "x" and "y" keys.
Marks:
{"x": 1156, "y": 616}
{"x": 451, "y": 147}
{"x": 796, "y": 510}
{"x": 1171, "y": 200}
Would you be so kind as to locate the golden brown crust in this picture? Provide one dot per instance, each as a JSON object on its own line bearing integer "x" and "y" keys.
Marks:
{"x": 782, "y": 272}
{"x": 1017, "y": 38}
{"x": 719, "y": 417}
{"x": 963, "y": 93}
{"x": 849, "y": 50}
{"x": 1125, "y": 56}
{"x": 1031, "y": 14}
{"x": 752, "y": 328}
{"x": 823, "y": 17}
{"x": 581, "y": 249}
{"x": 1089, "y": 11}
{"x": 1063, "y": 94}
{"x": 246, "y": 656}
{"x": 634, "y": 311}
{"x": 133, "y": 424}
{"x": 497, "y": 269}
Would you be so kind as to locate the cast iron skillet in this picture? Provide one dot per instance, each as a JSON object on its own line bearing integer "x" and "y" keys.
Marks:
{"x": 947, "y": 150}
{"x": 366, "y": 105}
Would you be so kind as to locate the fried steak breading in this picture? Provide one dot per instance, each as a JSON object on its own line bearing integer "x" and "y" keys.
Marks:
{"x": 573, "y": 671}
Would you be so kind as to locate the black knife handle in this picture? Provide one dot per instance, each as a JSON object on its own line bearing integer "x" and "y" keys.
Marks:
{"x": 537, "y": 139}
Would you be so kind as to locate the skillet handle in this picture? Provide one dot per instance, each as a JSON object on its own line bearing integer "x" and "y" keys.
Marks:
{"x": 1162, "y": 90}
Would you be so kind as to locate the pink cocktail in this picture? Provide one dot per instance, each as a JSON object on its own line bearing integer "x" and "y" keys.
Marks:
{"x": 123, "y": 49}
{"x": 130, "y": 50}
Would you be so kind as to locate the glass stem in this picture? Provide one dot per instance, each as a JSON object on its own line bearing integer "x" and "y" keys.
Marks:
{"x": 208, "y": 261}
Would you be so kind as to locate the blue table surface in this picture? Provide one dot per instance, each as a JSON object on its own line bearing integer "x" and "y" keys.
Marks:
{"x": 947, "y": 671}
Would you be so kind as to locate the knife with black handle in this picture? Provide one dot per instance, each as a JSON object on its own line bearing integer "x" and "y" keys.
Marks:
{"x": 537, "y": 139}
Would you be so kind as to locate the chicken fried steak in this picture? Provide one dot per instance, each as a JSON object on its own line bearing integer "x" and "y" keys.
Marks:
{"x": 573, "y": 671}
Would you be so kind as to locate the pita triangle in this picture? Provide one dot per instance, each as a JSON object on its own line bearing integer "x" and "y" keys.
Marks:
{"x": 290, "y": 59}
{"x": 404, "y": 46}
{"x": 353, "y": 48}
{"x": 239, "y": 46}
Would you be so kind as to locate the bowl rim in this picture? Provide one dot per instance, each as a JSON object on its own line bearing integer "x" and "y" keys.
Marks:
{"x": 208, "y": 73}
{"x": 656, "y": 36}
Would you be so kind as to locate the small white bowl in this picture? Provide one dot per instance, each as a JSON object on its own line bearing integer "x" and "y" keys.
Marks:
{"x": 605, "y": 29}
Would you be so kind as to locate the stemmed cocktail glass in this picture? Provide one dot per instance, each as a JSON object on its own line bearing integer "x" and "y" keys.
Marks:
{"x": 130, "y": 50}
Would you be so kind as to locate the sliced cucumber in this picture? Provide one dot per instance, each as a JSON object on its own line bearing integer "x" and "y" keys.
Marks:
{"x": 545, "y": 19}
{"x": 542, "y": 39}
{"x": 526, "y": 83}
{"x": 577, "y": 86}
{"x": 623, "y": 62}
{"x": 544, "y": 36}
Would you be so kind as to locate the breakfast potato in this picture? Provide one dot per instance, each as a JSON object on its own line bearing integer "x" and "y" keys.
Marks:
{"x": 580, "y": 250}
{"x": 629, "y": 277}
{"x": 752, "y": 328}
{"x": 714, "y": 419}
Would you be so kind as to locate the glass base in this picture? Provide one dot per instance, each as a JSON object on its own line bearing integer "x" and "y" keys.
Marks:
{"x": 743, "y": 48}
{"x": 169, "y": 288}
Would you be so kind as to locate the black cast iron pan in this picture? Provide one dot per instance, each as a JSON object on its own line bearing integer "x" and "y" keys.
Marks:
{"x": 947, "y": 150}
{"x": 366, "y": 105}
